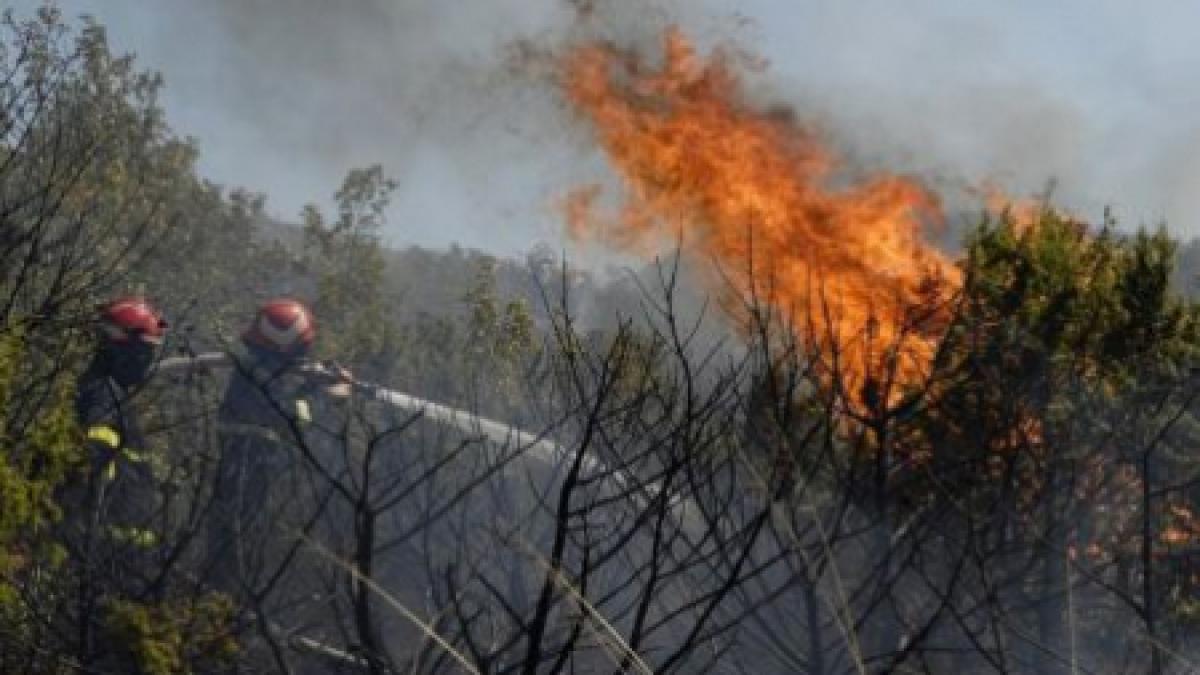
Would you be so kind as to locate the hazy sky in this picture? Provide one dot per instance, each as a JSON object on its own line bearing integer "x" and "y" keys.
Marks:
{"x": 285, "y": 95}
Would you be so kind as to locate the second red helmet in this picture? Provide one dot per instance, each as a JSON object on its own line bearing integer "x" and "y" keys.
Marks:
{"x": 283, "y": 325}
{"x": 131, "y": 319}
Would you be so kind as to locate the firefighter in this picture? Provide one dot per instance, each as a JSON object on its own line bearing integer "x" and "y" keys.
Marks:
{"x": 108, "y": 506}
{"x": 119, "y": 482}
{"x": 263, "y": 429}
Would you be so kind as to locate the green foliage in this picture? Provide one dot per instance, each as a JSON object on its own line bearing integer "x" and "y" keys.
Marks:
{"x": 38, "y": 456}
{"x": 1054, "y": 293}
{"x": 41, "y": 450}
{"x": 93, "y": 188}
{"x": 1055, "y": 320}
{"x": 346, "y": 260}
{"x": 1059, "y": 328}
{"x": 90, "y": 162}
{"x": 500, "y": 334}
{"x": 447, "y": 357}
{"x": 172, "y": 638}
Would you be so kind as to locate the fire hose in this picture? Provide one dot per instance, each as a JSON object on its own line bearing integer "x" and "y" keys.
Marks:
{"x": 504, "y": 435}
{"x": 499, "y": 433}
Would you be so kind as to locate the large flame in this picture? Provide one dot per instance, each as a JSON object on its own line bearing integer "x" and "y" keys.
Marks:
{"x": 845, "y": 261}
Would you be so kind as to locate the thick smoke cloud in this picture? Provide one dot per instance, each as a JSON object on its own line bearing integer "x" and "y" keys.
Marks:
{"x": 1097, "y": 96}
{"x": 434, "y": 91}
{"x": 285, "y": 96}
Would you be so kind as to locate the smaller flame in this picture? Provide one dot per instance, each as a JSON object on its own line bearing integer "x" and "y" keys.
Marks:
{"x": 1022, "y": 213}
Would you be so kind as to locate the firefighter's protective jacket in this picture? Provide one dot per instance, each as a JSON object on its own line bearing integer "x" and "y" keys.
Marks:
{"x": 267, "y": 399}
{"x": 119, "y": 484}
{"x": 261, "y": 426}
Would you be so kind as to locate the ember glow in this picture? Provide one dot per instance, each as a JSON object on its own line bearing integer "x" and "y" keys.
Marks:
{"x": 760, "y": 195}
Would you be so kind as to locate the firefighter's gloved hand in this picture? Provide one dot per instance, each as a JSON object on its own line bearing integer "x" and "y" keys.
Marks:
{"x": 345, "y": 380}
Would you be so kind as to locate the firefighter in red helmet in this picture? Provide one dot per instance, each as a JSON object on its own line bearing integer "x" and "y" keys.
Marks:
{"x": 283, "y": 327}
{"x": 262, "y": 426}
{"x": 109, "y": 509}
{"x": 130, "y": 332}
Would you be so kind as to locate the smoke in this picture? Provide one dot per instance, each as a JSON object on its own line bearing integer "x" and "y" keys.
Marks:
{"x": 284, "y": 97}
{"x": 1095, "y": 97}
{"x": 319, "y": 87}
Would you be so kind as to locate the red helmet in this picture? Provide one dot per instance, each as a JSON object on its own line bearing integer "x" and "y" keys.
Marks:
{"x": 283, "y": 325}
{"x": 131, "y": 319}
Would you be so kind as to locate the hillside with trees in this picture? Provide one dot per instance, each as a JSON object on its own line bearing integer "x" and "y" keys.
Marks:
{"x": 700, "y": 494}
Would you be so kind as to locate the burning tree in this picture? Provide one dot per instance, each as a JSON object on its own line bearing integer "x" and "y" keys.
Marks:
{"x": 974, "y": 402}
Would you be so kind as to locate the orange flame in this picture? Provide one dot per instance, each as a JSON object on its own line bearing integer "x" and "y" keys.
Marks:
{"x": 754, "y": 191}
{"x": 1021, "y": 213}
{"x": 1025, "y": 213}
